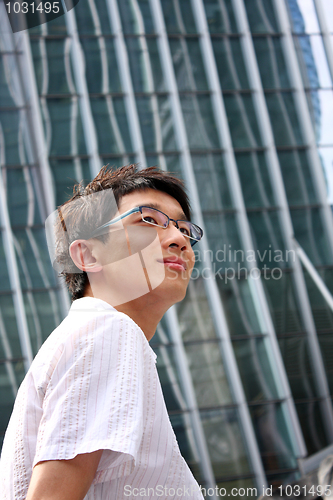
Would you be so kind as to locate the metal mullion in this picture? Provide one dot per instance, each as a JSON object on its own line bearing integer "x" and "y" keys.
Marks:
{"x": 304, "y": 117}
{"x": 126, "y": 81}
{"x": 81, "y": 85}
{"x": 287, "y": 230}
{"x": 34, "y": 132}
{"x": 325, "y": 34}
{"x": 171, "y": 316}
{"x": 234, "y": 182}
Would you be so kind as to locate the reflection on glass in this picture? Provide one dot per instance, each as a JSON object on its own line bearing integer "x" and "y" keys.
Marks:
{"x": 199, "y": 121}
{"x": 295, "y": 354}
{"x": 213, "y": 187}
{"x": 136, "y": 16}
{"x": 194, "y": 315}
{"x": 188, "y": 64}
{"x": 225, "y": 443}
{"x": 326, "y": 347}
{"x": 326, "y": 156}
{"x": 208, "y": 375}
{"x": 312, "y": 61}
{"x": 111, "y": 125}
{"x": 254, "y": 177}
{"x": 255, "y": 370}
{"x": 322, "y": 314}
{"x": 282, "y": 303}
{"x": 168, "y": 374}
{"x": 321, "y": 110}
{"x": 181, "y": 424}
{"x": 102, "y": 74}
{"x": 261, "y": 16}
{"x": 230, "y": 63}
{"x": 312, "y": 425}
{"x": 271, "y": 62}
{"x": 303, "y": 16}
{"x": 238, "y": 305}
{"x": 145, "y": 64}
{"x": 156, "y": 124}
{"x": 242, "y": 120}
{"x": 178, "y": 16}
{"x": 297, "y": 177}
{"x": 272, "y": 436}
{"x": 220, "y": 16}
{"x": 284, "y": 120}
{"x": 310, "y": 234}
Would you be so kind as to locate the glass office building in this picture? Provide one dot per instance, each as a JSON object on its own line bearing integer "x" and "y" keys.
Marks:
{"x": 236, "y": 97}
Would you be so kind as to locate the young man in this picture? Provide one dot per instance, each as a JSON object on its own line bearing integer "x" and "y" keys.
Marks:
{"x": 89, "y": 420}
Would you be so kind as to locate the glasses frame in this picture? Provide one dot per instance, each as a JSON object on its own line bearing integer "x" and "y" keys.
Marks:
{"x": 193, "y": 241}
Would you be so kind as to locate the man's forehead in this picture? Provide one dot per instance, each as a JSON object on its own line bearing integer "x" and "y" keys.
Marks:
{"x": 153, "y": 199}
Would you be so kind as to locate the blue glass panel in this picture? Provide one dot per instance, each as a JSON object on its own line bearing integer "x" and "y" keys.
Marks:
{"x": 8, "y": 318}
{"x": 220, "y": 16}
{"x": 312, "y": 425}
{"x": 284, "y": 119}
{"x": 255, "y": 370}
{"x": 321, "y": 110}
{"x": 283, "y": 303}
{"x": 272, "y": 436}
{"x": 7, "y": 92}
{"x": 10, "y": 123}
{"x": 102, "y": 72}
{"x": 199, "y": 122}
{"x": 136, "y": 16}
{"x": 311, "y": 235}
{"x": 178, "y": 16}
{"x": 66, "y": 173}
{"x": 211, "y": 178}
{"x": 230, "y": 63}
{"x": 169, "y": 377}
{"x": 326, "y": 347}
{"x": 312, "y": 61}
{"x": 261, "y": 16}
{"x": 297, "y": 177}
{"x": 271, "y": 62}
{"x": 21, "y": 184}
{"x": 321, "y": 312}
{"x": 156, "y": 124}
{"x": 194, "y": 315}
{"x": 242, "y": 120}
{"x": 111, "y": 124}
{"x": 145, "y": 64}
{"x": 303, "y": 16}
{"x": 4, "y": 277}
{"x": 255, "y": 180}
{"x": 188, "y": 64}
{"x": 225, "y": 443}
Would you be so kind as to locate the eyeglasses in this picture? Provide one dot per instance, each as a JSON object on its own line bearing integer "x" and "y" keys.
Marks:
{"x": 157, "y": 218}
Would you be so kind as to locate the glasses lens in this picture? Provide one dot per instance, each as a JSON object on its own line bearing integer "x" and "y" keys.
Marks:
{"x": 155, "y": 217}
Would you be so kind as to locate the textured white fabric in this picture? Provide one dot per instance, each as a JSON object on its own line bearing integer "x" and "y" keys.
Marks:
{"x": 94, "y": 385}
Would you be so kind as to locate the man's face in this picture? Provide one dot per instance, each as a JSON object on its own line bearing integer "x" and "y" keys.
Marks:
{"x": 164, "y": 266}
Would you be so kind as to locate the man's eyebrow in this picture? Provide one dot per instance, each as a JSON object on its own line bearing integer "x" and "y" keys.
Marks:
{"x": 180, "y": 215}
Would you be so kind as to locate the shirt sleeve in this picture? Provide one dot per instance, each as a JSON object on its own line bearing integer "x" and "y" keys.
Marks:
{"x": 94, "y": 397}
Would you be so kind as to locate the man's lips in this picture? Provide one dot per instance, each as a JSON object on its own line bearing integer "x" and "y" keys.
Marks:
{"x": 177, "y": 263}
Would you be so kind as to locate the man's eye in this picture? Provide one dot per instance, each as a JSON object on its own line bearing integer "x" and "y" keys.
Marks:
{"x": 185, "y": 231}
{"x": 151, "y": 220}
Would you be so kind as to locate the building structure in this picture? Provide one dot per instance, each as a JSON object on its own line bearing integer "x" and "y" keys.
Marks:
{"x": 236, "y": 97}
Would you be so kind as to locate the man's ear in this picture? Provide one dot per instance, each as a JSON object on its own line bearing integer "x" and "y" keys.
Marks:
{"x": 81, "y": 252}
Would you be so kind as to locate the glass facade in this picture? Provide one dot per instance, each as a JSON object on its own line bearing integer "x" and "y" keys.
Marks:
{"x": 236, "y": 97}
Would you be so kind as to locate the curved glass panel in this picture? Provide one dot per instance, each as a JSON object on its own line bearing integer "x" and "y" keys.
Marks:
{"x": 208, "y": 375}
{"x": 102, "y": 73}
{"x": 312, "y": 61}
{"x": 321, "y": 110}
{"x": 188, "y": 64}
{"x": 271, "y": 62}
{"x": 284, "y": 119}
{"x": 310, "y": 417}
{"x": 135, "y": 16}
{"x": 145, "y": 64}
{"x": 230, "y": 63}
{"x": 225, "y": 443}
{"x": 199, "y": 121}
{"x": 255, "y": 370}
{"x": 220, "y": 16}
{"x": 297, "y": 177}
{"x": 242, "y": 120}
{"x": 156, "y": 125}
{"x": 261, "y": 16}
{"x": 255, "y": 180}
{"x": 178, "y": 16}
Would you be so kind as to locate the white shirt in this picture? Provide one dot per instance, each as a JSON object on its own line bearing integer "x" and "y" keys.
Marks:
{"x": 94, "y": 385}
